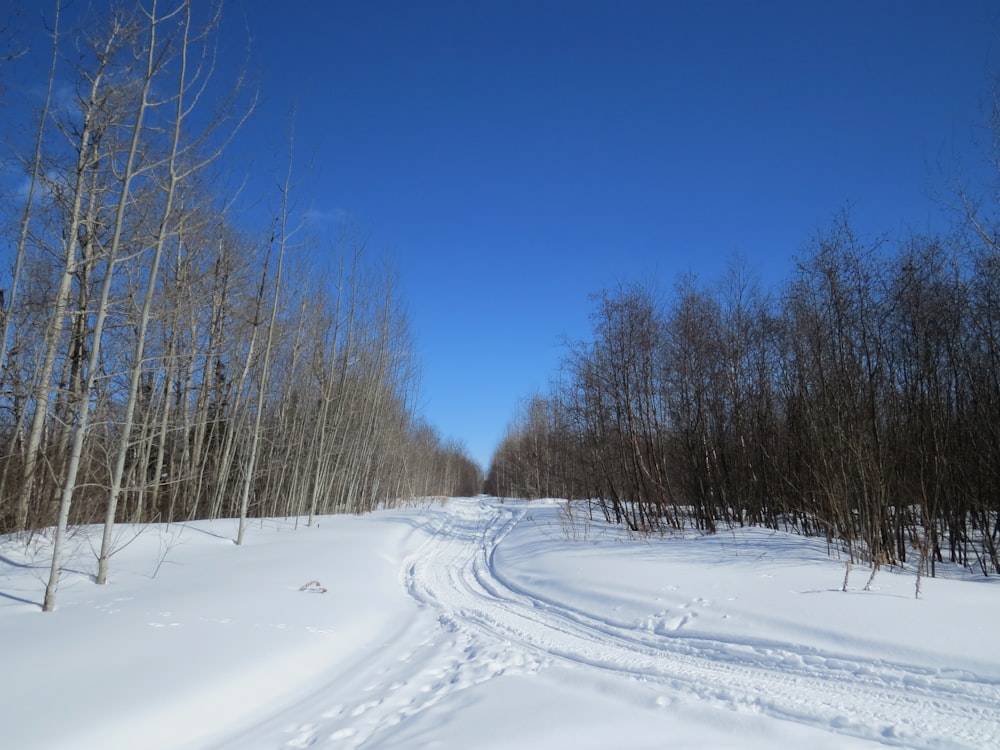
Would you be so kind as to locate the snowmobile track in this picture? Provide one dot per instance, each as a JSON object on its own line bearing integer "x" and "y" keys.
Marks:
{"x": 474, "y": 624}
{"x": 455, "y": 573}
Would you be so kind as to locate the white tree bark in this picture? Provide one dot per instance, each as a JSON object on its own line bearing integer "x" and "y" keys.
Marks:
{"x": 80, "y": 427}
{"x": 163, "y": 231}
{"x": 34, "y": 169}
{"x": 268, "y": 345}
{"x": 85, "y": 157}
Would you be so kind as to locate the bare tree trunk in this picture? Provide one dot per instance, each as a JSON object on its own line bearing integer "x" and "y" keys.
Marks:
{"x": 320, "y": 452}
{"x": 35, "y": 168}
{"x": 85, "y": 159}
{"x": 83, "y": 414}
{"x": 262, "y": 387}
{"x": 181, "y": 111}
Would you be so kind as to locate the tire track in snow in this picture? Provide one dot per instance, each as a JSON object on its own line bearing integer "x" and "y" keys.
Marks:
{"x": 430, "y": 657}
{"x": 475, "y": 625}
{"x": 455, "y": 574}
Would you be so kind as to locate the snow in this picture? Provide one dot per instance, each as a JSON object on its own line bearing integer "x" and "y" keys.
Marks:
{"x": 477, "y": 623}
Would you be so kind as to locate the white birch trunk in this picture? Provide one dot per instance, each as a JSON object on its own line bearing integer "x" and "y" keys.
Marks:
{"x": 147, "y": 304}
{"x": 82, "y": 422}
{"x": 262, "y": 388}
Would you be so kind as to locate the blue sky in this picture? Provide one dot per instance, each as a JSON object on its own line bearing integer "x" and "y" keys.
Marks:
{"x": 515, "y": 157}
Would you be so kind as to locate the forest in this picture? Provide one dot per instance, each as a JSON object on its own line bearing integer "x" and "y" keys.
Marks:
{"x": 859, "y": 401}
{"x": 163, "y": 359}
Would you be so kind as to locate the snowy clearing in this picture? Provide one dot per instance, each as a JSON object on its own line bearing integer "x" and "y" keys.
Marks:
{"x": 491, "y": 625}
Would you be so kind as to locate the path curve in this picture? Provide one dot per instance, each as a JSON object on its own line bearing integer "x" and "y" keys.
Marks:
{"x": 891, "y": 703}
{"x": 474, "y": 624}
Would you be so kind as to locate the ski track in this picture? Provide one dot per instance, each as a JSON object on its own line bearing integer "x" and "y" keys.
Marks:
{"x": 476, "y": 625}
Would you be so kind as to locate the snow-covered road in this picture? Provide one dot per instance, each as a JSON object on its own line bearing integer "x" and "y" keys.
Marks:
{"x": 485, "y": 624}
{"x": 456, "y": 574}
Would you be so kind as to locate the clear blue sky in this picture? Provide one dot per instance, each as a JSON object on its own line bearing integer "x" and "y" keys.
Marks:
{"x": 515, "y": 157}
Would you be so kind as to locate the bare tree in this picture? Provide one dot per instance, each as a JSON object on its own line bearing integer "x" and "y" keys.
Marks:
{"x": 129, "y": 173}
{"x": 185, "y": 99}
{"x": 282, "y": 238}
{"x": 10, "y": 303}
{"x": 93, "y": 106}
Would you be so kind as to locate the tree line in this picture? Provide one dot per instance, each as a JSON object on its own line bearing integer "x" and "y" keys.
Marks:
{"x": 859, "y": 401}
{"x": 161, "y": 361}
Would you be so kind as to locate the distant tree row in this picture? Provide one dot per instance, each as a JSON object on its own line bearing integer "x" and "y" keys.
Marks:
{"x": 159, "y": 362}
{"x": 860, "y": 401}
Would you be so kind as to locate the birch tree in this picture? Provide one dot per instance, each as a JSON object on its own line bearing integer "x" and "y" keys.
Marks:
{"x": 130, "y": 170}
{"x": 282, "y": 242}
{"x": 189, "y": 89}
{"x": 93, "y": 104}
{"x": 33, "y": 168}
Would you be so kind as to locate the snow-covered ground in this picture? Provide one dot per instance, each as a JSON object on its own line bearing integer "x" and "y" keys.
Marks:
{"x": 486, "y": 625}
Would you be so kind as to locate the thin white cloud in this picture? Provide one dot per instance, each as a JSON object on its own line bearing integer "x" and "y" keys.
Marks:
{"x": 334, "y": 217}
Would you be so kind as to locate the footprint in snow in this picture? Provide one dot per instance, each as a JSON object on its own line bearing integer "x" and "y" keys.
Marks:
{"x": 333, "y": 712}
{"x": 306, "y": 738}
{"x": 664, "y": 623}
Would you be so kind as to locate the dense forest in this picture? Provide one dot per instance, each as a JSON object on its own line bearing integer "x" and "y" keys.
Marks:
{"x": 161, "y": 359}
{"x": 860, "y": 401}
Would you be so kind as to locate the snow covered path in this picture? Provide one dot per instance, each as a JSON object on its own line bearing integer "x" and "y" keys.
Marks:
{"x": 487, "y": 625}
{"x": 456, "y": 574}
{"x": 490, "y": 625}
